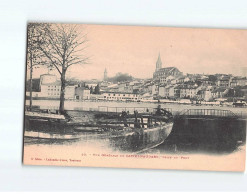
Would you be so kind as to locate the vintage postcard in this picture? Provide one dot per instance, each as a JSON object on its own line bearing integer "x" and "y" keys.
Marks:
{"x": 135, "y": 97}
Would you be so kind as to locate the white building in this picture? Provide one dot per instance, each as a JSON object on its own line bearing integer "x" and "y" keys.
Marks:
{"x": 162, "y": 91}
{"x": 120, "y": 96}
{"x": 167, "y": 91}
{"x": 189, "y": 91}
{"x": 50, "y": 87}
{"x": 82, "y": 93}
{"x": 155, "y": 89}
{"x": 69, "y": 92}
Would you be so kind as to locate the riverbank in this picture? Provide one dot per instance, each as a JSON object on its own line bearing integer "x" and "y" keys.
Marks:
{"x": 88, "y": 105}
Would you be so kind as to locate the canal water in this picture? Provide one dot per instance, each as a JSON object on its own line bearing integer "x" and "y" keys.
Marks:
{"x": 189, "y": 135}
{"x": 214, "y": 135}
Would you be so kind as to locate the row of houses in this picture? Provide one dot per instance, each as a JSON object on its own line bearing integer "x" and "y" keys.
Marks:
{"x": 171, "y": 75}
{"x": 176, "y": 91}
{"x": 231, "y": 81}
{"x": 220, "y": 81}
{"x": 122, "y": 87}
{"x": 155, "y": 90}
{"x": 199, "y": 92}
{"x": 50, "y": 87}
{"x": 169, "y": 82}
{"x": 119, "y": 96}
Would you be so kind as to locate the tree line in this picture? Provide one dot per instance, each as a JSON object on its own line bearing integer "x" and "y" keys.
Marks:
{"x": 120, "y": 77}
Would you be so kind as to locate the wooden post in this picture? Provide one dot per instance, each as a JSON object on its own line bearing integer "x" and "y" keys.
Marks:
{"x": 142, "y": 122}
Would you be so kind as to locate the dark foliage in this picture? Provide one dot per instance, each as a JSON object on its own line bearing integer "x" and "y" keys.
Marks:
{"x": 121, "y": 77}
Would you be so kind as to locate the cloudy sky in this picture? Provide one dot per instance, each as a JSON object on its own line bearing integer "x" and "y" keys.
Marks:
{"x": 135, "y": 49}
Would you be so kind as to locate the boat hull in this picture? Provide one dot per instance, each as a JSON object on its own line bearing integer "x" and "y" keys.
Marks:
{"x": 116, "y": 136}
{"x": 141, "y": 139}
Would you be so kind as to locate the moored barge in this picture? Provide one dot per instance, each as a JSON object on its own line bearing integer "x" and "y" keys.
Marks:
{"x": 123, "y": 131}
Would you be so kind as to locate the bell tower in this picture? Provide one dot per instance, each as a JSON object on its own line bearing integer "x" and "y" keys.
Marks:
{"x": 105, "y": 75}
{"x": 158, "y": 63}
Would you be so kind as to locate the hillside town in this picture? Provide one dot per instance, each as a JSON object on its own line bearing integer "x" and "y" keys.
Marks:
{"x": 167, "y": 85}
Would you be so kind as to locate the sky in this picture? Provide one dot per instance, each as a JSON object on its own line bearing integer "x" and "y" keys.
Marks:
{"x": 135, "y": 49}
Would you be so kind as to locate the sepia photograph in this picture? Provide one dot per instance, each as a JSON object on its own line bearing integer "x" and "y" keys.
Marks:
{"x": 135, "y": 97}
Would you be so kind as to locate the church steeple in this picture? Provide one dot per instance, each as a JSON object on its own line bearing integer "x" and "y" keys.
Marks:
{"x": 105, "y": 75}
{"x": 158, "y": 63}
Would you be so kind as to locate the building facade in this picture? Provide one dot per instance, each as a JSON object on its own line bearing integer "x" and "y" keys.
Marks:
{"x": 50, "y": 87}
{"x": 82, "y": 93}
{"x": 120, "y": 96}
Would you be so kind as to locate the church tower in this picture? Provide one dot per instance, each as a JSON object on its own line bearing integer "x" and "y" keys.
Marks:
{"x": 105, "y": 75}
{"x": 158, "y": 63}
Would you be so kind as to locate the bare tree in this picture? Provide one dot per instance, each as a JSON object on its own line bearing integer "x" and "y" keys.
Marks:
{"x": 63, "y": 47}
{"x": 34, "y": 56}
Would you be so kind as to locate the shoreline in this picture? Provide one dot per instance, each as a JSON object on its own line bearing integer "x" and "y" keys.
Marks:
{"x": 203, "y": 103}
{"x": 88, "y": 105}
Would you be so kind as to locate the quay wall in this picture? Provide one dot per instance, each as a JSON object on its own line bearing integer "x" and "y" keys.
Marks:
{"x": 218, "y": 134}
